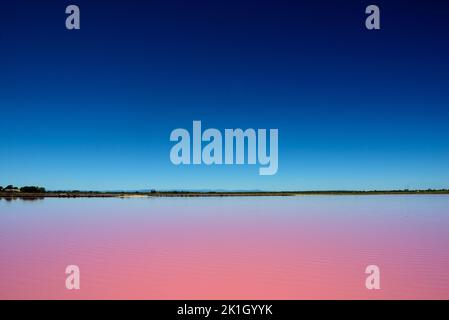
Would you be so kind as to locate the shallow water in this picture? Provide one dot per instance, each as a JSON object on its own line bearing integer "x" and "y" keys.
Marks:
{"x": 300, "y": 247}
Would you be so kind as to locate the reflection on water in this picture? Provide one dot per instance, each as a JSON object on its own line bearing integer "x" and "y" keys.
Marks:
{"x": 28, "y": 198}
{"x": 236, "y": 248}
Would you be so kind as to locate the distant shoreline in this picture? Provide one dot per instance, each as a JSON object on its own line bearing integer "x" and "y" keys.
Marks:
{"x": 98, "y": 194}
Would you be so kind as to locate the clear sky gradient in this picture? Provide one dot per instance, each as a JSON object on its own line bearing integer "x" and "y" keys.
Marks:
{"x": 94, "y": 108}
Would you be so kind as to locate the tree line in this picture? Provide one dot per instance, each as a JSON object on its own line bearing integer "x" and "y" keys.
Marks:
{"x": 28, "y": 189}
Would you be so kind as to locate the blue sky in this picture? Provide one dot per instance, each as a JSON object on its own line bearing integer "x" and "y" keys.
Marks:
{"x": 94, "y": 108}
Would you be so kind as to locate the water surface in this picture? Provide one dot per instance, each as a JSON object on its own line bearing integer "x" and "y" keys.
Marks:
{"x": 302, "y": 247}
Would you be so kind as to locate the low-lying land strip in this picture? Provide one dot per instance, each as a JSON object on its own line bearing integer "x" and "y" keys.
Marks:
{"x": 98, "y": 194}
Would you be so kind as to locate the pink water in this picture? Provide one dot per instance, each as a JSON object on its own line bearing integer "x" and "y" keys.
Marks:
{"x": 303, "y": 247}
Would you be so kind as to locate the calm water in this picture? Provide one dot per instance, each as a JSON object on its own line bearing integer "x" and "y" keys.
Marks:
{"x": 231, "y": 248}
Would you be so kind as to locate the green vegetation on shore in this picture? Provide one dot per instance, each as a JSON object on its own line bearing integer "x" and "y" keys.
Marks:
{"x": 25, "y": 189}
{"x": 40, "y": 192}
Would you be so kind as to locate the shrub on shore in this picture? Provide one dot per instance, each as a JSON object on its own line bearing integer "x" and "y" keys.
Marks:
{"x": 32, "y": 189}
{"x": 25, "y": 189}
